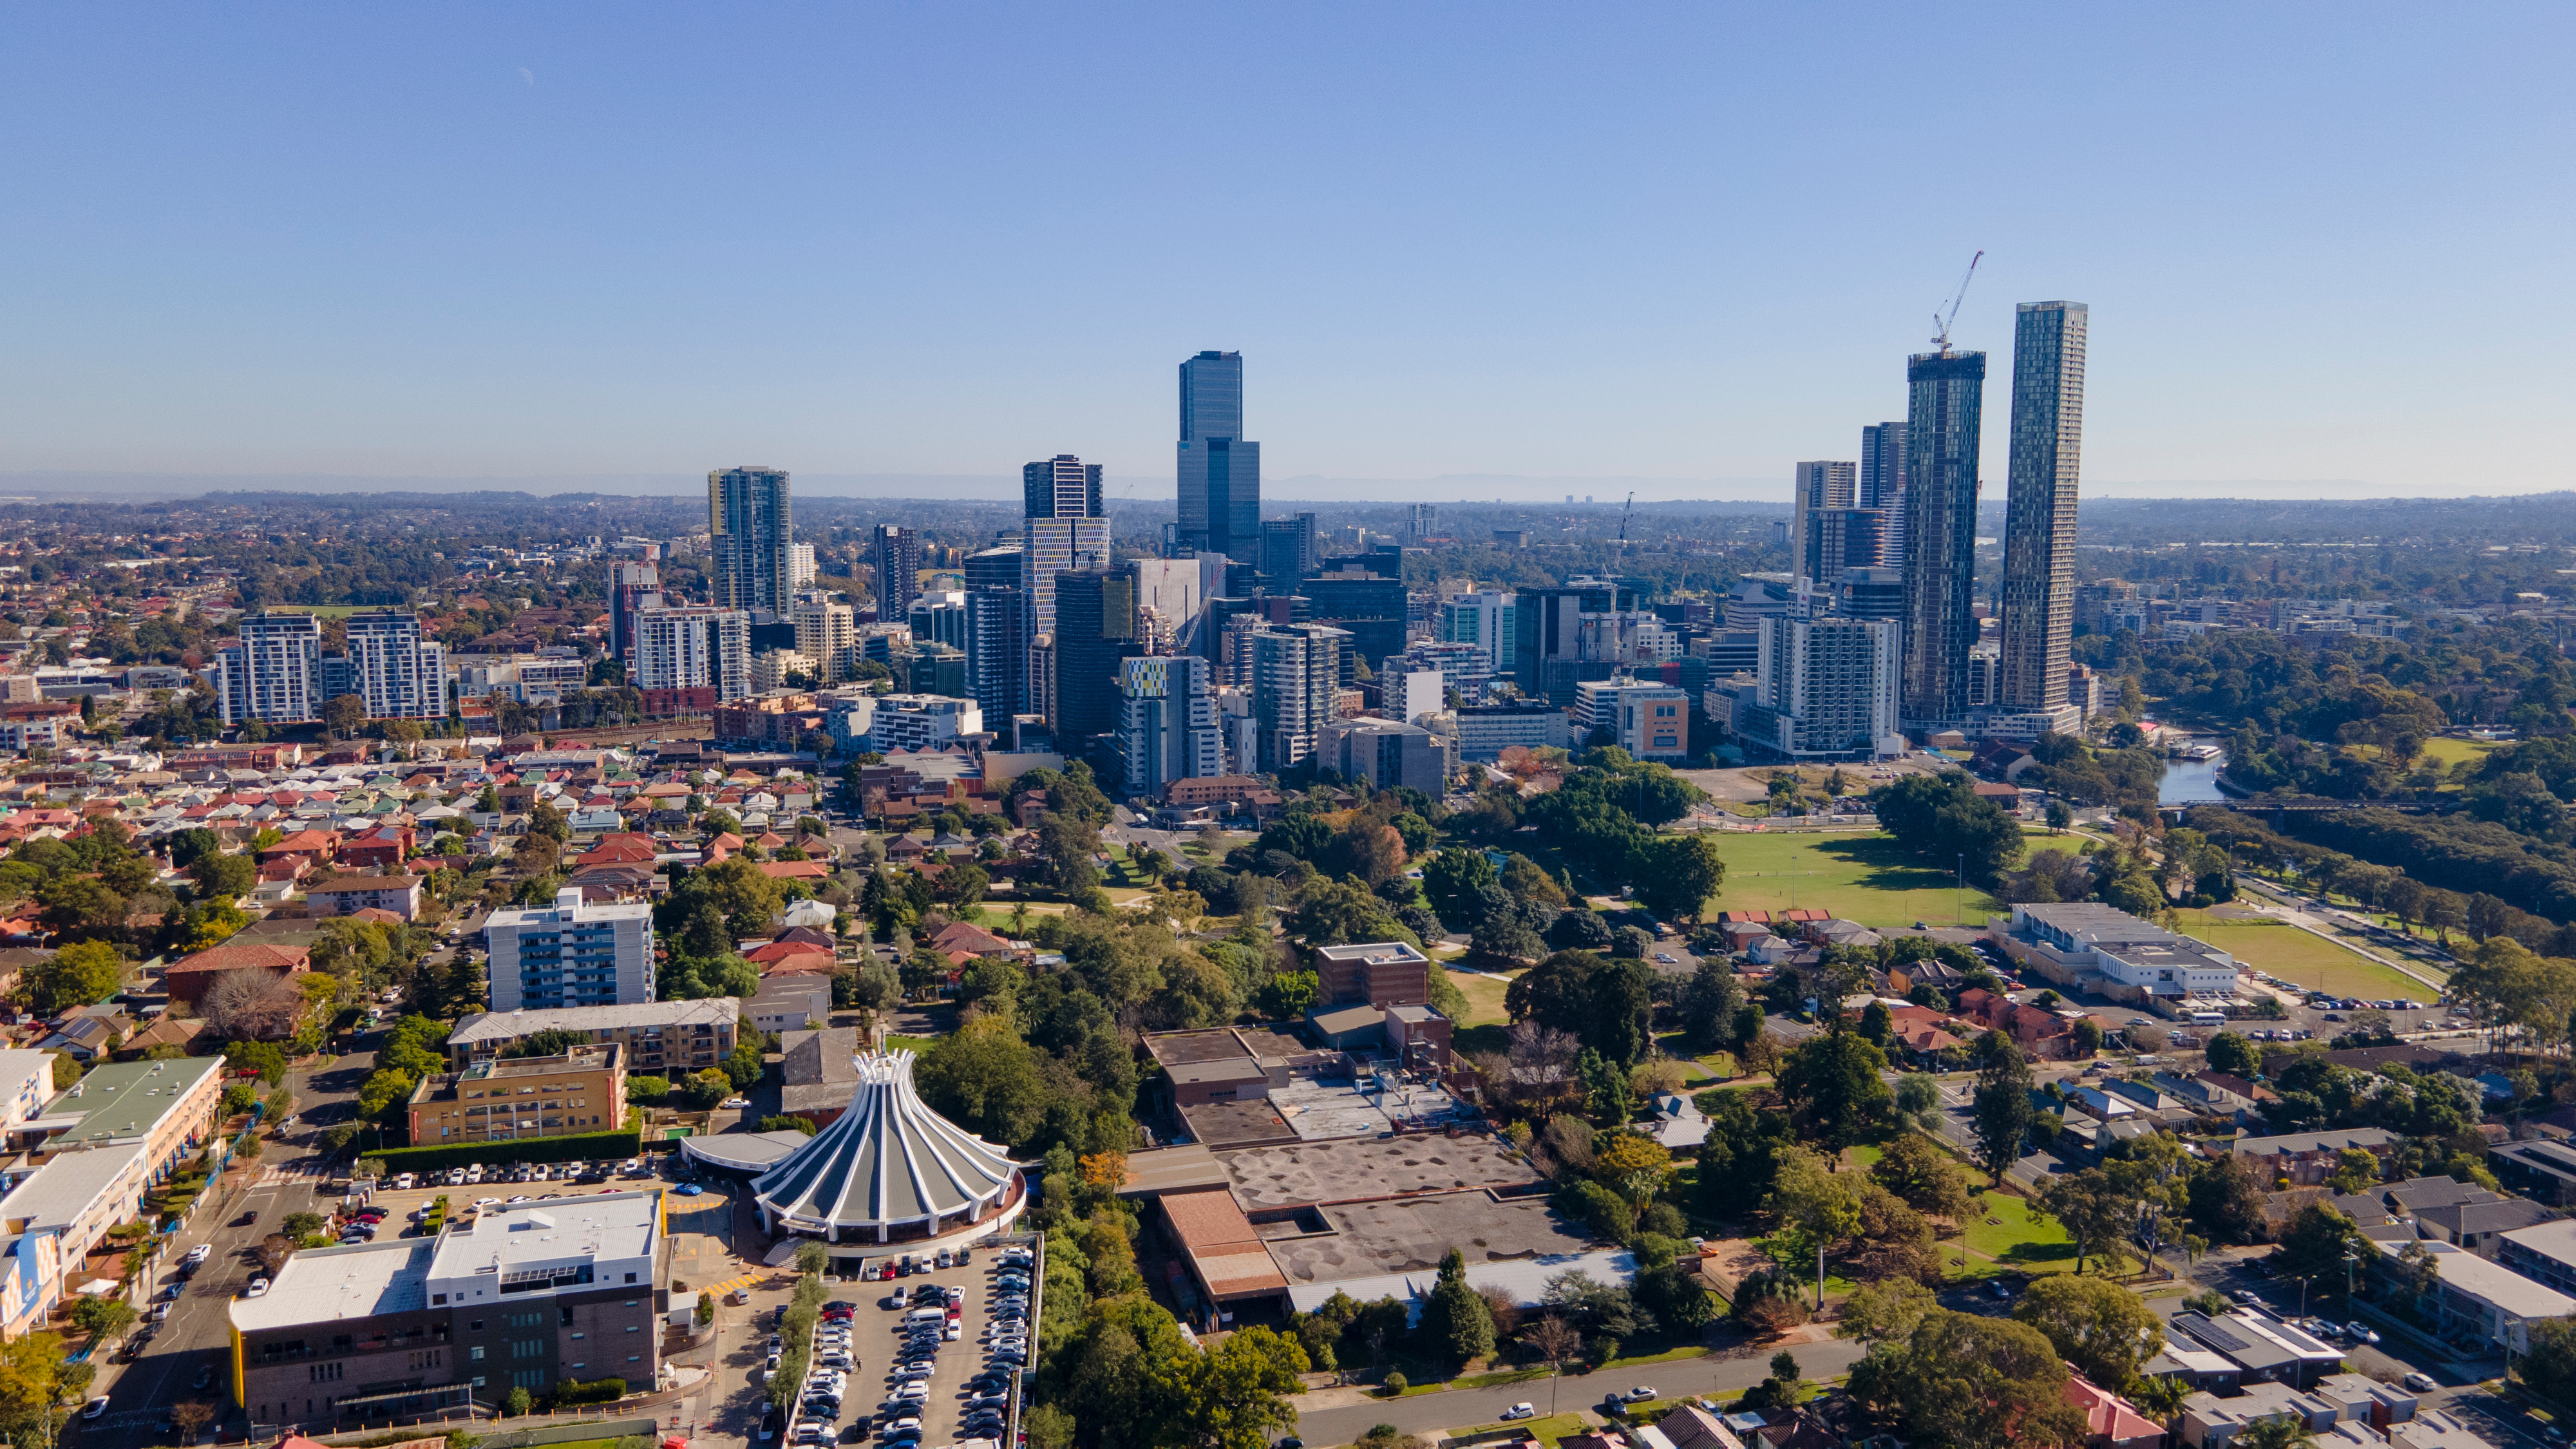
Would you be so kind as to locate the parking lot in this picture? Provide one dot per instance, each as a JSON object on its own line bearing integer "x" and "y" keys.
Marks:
{"x": 920, "y": 1364}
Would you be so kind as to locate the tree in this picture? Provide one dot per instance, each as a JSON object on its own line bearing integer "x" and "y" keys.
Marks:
{"x": 2279, "y": 1431}
{"x": 1832, "y": 1087}
{"x": 80, "y": 974}
{"x": 2000, "y": 1108}
{"x": 2094, "y": 1211}
{"x": 1817, "y": 1206}
{"x": 1969, "y": 1383}
{"x": 189, "y": 846}
{"x": 1606, "y": 1004}
{"x": 1922, "y": 1175}
{"x": 2229, "y": 1052}
{"x": 1942, "y": 818}
{"x": 251, "y": 1005}
{"x": 1554, "y": 1342}
{"x": 1451, "y": 880}
{"x": 2314, "y": 1243}
{"x": 1883, "y": 1310}
{"x": 1455, "y": 1322}
{"x": 343, "y": 714}
{"x": 2550, "y": 1367}
{"x": 1683, "y": 873}
{"x": 2103, "y": 1329}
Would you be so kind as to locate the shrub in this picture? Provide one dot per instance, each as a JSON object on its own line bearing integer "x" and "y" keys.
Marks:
{"x": 581, "y": 1145}
{"x": 597, "y": 1391}
{"x": 1396, "y": 1384}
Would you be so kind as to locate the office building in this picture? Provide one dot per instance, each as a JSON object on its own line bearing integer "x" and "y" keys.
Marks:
{"x": 939, "y": 617}
{"x": 2039, "y": 504}
{"x": 1167, "y": 726}
{"x": 506, "y": 1099}
{"x": 1815, "y": 487}
{"x": 1839, "y": 540}
{"x": 400, "y": 674}
{"x": 1485, "y": 619}
{"x": 273, "y": 674}
{"x": 1063, "y": 486}
{"x": 1171, "y": 599}
{"x": 1882, "y": 483}
{"x": 570, "y": 954}
{"x": 1295, "y": 670}
{"x": 1412, "y": 693}
{"x": 995, "y": 567}
{"x": 1946, "y": 395}
{"x": 898, "y": 564}
{"x": 827, "y": 632}
{"x": 1095, "y": 627}
{"x": 1220, "y": 472}
{"x": 1828, "y": 686}
{"x": 526, "y": 1296}
{"x": 1371, "y": 606}
{"x": 1289, "y": 550}
{"x": 1386, "y": 753}
{"x": 1486, "y": 730}
{"x": 690, "y": 658}
{"x": 1053, "y": 546}
{"x": 1552, "y": 651}
{"x": 750, "y": 527}
{"x": 1651, "y": 721}
{"x": 997, "y": 649}
{"x": 937, "y": 669}
{"x": 628, "y": 583}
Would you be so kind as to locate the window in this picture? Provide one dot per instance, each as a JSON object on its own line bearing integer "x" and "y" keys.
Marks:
{"x": 475, "y": 1353}
{"x": 567, "y": 1315}
{"x": 631, "y": 1328}
{"x": 323, "y": 1373}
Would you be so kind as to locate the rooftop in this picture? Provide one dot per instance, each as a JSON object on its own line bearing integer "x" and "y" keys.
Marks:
{"x": 579, "y": 1059}
{"x": 322, "y": 1284}
{"x": 1292, "y": 1175}
{"x": 501, "y": 1026}
{"x": 125, "y": 1099}
{"x": 64, "y": 1187}
{"x": 548, "y": 1231}
{"x": 1410, "y": 1235}
{"x": 2509, "y": 1291}
{"x": 1374, "y": 953}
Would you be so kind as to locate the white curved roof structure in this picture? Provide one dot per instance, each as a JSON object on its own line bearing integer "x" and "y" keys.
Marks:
{"x": 888, "y": 1168}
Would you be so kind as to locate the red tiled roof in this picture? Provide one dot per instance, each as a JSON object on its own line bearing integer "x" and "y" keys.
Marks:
{"x": 239, "y": 956}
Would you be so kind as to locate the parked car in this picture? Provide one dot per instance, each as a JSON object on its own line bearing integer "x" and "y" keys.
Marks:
{"x": 1642, "y": 1393}
{"x": 1521, "y": 1411}
{"x": 95, "y": 1407}
{"x": 2421, "y": 1383}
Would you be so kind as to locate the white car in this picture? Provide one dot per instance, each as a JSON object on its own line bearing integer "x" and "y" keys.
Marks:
{"x": 735, "y": 1104}
{"x": 258, "y": 1288}
{"x": 1521, "y": 1411}
{"x": 1640, "y": 1394}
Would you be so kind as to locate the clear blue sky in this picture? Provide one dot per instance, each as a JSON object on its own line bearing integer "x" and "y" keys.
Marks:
{"x": 1685, "y": 242}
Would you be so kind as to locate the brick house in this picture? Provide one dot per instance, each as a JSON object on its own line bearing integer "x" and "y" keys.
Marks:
{"x": 191, "y": 977}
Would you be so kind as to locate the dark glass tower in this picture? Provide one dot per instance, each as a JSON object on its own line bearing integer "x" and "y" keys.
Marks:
{"x": 1220, "y": 473}
{"x": 2039, "y": 504}
{"x": 1063, "y": 486}
{"x": 1946, "y": 391}
{"x": 1095, "y": 627}
{"x": 898, "y": 560}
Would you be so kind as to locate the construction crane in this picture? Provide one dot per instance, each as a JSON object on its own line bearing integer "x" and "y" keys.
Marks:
{"x": 1623, "y": 523}
{"x": 1941, "y": 337}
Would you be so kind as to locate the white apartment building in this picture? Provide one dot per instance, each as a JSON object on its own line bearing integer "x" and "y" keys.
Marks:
{"x": 527, "y": 678}
{"x": 693, "y": 648}
{"x": 1486, "y": 730}
{"x": 827, "y": 632}
{"x": 397, "y": 672}
{"x": 274, "y": 674}
{"x": 1828, "y": 686}
{"x": 918, "y": 721}
{"x": 570, "y": 954}
{"x": 1296, "y": 670}
{"x": 1649, "y": 721}
{"x": 2081, "y": 937}
{"x": 1167, "y": 724}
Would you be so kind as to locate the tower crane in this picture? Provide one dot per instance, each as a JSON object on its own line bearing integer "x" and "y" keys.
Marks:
{"x": 1941, "y": 337}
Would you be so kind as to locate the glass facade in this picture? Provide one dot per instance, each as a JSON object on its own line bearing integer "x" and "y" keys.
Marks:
{"x": 2039, "y": 506}
{"x": 1946, "y": 393}
{"x": 1220, "y": 473}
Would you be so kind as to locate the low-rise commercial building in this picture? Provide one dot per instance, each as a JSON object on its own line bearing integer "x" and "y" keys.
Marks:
{"x": 1386, "y": 754}
{"x": 522, "y": 1297}
{"x": 1486, "y": 730}
{"x": 2074, "y": 941}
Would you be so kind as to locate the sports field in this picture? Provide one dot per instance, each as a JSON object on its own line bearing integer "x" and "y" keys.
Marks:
{"x": 1860, "y": 876}
{"x": 2302, "y": 957}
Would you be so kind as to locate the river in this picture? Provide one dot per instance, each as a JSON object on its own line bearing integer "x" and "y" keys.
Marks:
{"x": 2190, "y": 780}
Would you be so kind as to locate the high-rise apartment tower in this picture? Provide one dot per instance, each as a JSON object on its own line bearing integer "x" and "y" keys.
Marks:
{"x": 1063, "y": 486}
{"x": 2039, "y": 506}
{"x": 898, "y": 561}
{"x": 1946, "y": 392}
{"x": 749, "y": 519}
{"x": 1818, "y": 486}
{"x": 1220, "y": 473}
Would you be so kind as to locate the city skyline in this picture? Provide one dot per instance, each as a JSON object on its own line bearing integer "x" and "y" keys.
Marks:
{"x": 443, "y": 282}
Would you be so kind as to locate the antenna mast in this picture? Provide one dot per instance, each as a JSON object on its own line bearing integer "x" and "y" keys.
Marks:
{"x": 1623, "y": 524}
{"x": 1940, "y": 321}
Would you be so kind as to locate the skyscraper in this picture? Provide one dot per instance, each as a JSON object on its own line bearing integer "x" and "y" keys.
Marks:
{"x": 1095, "y": 627}
{"x": 1882, "y": 474}
{"x": 1063, "y": 486}
{"x": 1421, "y": 520}
{"x": 628, "y": 583}
{"x": 1828, "y": 683}
{"x": 1295, "y": 669}
{"x": 1946, "y": 392}
{"x": 691, "y": 657}
{"x": 1288, "y": 550}
{"x": 748, "y": 516}
{"x": 1839, "y": 540}
{"x": 400, "y": 674}
{"x": 1220, "y": 473}
{"x": 1054, "y": 546}
{"x": 898, "y": 561}
{"x": 997, "y": 650}
{"x": 827, "y": 632}
{"x": 2039, "y": 504}
{"x": 1816, "y": 486}
{"x": 1166, "y": 722}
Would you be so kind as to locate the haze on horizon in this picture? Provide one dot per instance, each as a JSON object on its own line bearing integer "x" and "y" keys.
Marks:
{"x": 1668, "y": 246}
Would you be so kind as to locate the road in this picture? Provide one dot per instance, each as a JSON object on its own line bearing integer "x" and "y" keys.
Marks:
{"x": 195, "y": 1343}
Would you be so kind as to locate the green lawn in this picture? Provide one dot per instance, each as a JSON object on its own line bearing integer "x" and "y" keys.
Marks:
{"x": 916, "y": 1043}
{"x": 2018, "y": 1237}
{"x": 2301, "y": 957}
{"x": 1546, "y": 1430}
{"x": 1858, "y": 876}
{"x": 1484, "y": 998}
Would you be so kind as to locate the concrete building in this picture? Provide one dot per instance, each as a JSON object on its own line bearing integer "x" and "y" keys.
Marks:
{"x": 1553, "y": 650}
{"x": 1828, "y": 687}
{"x": 1295, "y": 670}
{"x": 1219, "y": 469}
{"x": 506, "y": 1098}
{"x": 827, "y": 632}
{"x": 914, "y": 721}
{"x": 689, "y": 658}
{"x": 1171, "y": 599}
{"x": 2039, "y": 509}
{"x": 1063, "y": 486}
{"x": 628, "y": 583}
{"x": 750, "y": 520}
{"x": 1054, "y": 546}
{"x": 1649, "y": 721}
{"x": 526, "y": 1296}
{"x": 1946, "y": 395}
{"x": 1167, "y": 728}
{"x": 347, "y": 895}
{"x": 1882, "y": 484}
{"x": 1486, "y": 730}
{"x": 1380, "y": 973}
{"x": 657, "y": 1038}
{"x": 570, "y": 954}
{"x": 1817, "y": 488}
{"x": 274, "y": 674}
{"x": 2082, "y": 938}
{"x": 1386, "y": 753}
{"x": 897, "y": 554}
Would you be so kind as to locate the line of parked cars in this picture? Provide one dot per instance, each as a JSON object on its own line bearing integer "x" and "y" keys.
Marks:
{"x": 581, "y": 1172}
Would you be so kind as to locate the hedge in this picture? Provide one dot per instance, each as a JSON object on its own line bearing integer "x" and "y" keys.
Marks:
{"x": 626, "y": 1142}
{"x": 597, "y": 1391}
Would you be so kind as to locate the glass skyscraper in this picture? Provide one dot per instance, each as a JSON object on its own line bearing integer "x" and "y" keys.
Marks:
{"x": 2039, "y": 506}
{"x": 748, "y": 515}
{"x": 1946, "y": 392}
{"x": 1882, "y": 481}
{"x": 1220, "y": 473}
